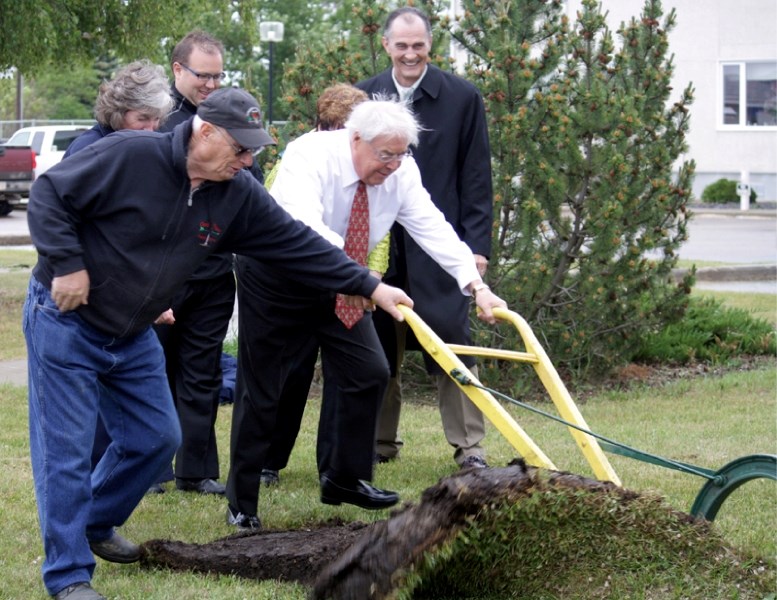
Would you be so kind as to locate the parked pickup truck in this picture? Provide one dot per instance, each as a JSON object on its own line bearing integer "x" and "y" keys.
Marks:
{"x": 48, "y": 141}
{"x": 17, "y": 172}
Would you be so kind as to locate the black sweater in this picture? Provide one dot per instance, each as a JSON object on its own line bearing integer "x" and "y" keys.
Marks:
{"x": 123, "y": 209}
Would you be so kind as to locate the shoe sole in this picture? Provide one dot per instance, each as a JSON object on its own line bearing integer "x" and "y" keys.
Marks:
{"x": 198, "y": 491}
{"x": 336, "y": 502}
{"x": 122, "y": 560}
{"x": 330, "y": 501}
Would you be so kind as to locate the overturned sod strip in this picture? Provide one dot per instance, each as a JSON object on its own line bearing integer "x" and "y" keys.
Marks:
{"x": 512, "y": 532}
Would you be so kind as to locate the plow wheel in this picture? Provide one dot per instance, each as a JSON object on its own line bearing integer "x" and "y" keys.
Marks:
{"x": 729, "y": 478}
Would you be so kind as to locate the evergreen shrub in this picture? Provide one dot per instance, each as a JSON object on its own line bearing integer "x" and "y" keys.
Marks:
{"x": 723, "y": 191}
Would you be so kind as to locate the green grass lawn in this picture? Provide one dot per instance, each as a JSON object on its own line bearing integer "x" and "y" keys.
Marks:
{"x": 706, "y": 421}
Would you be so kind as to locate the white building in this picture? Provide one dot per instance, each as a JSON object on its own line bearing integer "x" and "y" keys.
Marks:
{"x": 728, "y": 50}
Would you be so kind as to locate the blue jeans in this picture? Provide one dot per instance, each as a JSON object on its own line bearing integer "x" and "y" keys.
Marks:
{"x": 75, "y": 373}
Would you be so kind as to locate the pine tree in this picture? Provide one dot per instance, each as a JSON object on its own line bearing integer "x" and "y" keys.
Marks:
{"x": 588, "y": 213}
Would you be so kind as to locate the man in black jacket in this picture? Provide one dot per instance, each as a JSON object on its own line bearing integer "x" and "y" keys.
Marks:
{"x": 455, "y": 162}
{"x": 119, "y": 227}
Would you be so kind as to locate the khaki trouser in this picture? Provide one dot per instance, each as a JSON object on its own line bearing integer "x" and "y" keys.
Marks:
{"x": 462, "y": 421}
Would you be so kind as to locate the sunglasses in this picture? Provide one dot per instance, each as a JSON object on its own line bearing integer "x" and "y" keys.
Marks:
{"x": 239, "y": 150}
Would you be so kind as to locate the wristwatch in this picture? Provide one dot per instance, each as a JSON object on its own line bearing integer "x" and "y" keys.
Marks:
{"x": 478, "y": 288}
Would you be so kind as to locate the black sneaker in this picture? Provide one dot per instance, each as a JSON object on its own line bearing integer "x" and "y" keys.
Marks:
{"x": 78, "y": 591}
{"x": 270, "y": 477}
{"x": 116, "y": 549}
{"x": 243, "y": 522}
{"x": 474, "y": 462}
{"x": 156, "y": 488}
{"x": 203, "y": 486}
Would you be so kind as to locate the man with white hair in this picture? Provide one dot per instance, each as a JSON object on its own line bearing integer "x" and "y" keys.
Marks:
{"x": 361, "y": 178}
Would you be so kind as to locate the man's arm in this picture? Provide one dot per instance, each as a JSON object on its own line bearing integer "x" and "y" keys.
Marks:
{"x": 297, "y": 187}
{"x": 387, "y": 297}
{"x": 485, "y": 300}
{"x": 70, "y": 291}
{"x": 267, "y": 233}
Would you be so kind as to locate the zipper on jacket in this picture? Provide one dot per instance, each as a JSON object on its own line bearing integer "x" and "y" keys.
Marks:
{"x": 175, "y": 216}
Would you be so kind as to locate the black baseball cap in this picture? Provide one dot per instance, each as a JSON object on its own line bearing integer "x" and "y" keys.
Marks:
{"x": 238, "y": 112}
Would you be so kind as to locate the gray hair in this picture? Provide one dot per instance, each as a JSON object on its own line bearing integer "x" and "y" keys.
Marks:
{"x": 406, "y": 13}
{"x": 141, "y": 86}
{"x": 384, "y": 117}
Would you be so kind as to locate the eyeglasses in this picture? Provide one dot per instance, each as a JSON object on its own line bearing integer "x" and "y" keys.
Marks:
{"x": 387, "y": 157}
{"x": 205, "y": 77}
{"x": 239, "y": 150}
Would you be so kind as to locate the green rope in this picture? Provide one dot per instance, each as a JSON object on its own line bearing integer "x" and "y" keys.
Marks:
{"x": 612, "y": 445}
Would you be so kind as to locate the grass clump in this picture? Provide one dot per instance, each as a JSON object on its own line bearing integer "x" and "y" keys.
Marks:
{"x": 580, "y": 544}
{"x": 709, "y": 332}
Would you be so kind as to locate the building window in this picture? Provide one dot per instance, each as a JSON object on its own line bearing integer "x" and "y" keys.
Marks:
{"x": 749, "y": 94}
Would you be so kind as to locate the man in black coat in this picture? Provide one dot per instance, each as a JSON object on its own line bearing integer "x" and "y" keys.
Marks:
{"x": 455, "y": 162}
{"x": 204, "y": 305}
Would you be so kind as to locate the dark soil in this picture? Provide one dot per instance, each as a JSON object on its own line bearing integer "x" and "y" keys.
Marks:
{"x": 636, "y": 374}
{"x": 358, "y": 561}
{"x": 285, "y": 555}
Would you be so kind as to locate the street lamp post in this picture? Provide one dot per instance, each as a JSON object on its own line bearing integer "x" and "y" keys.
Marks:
{"x": 271, "y": 32}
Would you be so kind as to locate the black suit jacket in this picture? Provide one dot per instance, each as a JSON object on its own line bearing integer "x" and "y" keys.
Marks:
{"x": 454, "y": 158}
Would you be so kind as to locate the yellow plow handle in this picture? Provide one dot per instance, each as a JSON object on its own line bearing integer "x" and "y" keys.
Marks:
{"x": 446, "y": 356}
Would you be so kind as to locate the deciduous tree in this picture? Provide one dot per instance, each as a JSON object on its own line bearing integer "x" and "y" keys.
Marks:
{"x": 53, "y": 32}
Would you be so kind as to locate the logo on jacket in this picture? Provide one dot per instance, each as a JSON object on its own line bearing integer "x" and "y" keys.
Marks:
{"x": 208, "y": 234}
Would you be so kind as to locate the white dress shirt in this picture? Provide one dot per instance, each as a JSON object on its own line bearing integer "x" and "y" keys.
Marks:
{"x": 316, "y": 183}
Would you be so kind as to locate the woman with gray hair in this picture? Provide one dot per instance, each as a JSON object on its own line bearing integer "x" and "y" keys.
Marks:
{"x": 138, "y": 97}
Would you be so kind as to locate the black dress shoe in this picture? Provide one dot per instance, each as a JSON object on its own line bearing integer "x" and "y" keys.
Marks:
{"x": 270, "y": 477}
{"x": 156, "y": 488}
{"x": 382, "y": 459}
{"x": 78, "y": 591}
{"x": 203, "y": 486}
{"x": 116, "y": 549}
{"x": 357, "y": 492}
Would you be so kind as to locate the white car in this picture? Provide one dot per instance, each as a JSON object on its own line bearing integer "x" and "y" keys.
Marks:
{"x": 48, "y": 141}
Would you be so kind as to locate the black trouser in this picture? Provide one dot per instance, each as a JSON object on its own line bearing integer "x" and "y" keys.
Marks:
{"x": 193, "y": 346}
{"x": 291, "y": 408}
{"x": 278, "y": 322}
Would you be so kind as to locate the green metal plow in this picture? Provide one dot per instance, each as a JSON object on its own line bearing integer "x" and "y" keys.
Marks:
{"x": 719, "y": 484}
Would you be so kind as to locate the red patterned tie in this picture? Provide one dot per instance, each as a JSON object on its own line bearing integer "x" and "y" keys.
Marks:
{"x": 357, "y": 239}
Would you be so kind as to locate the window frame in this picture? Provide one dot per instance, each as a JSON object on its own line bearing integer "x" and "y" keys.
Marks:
{"x": 742, "y": 125}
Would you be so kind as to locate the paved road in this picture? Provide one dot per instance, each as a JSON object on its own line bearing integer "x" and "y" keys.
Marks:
{"x": 729, "y": 236}
{"x": 741, "y": 239}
